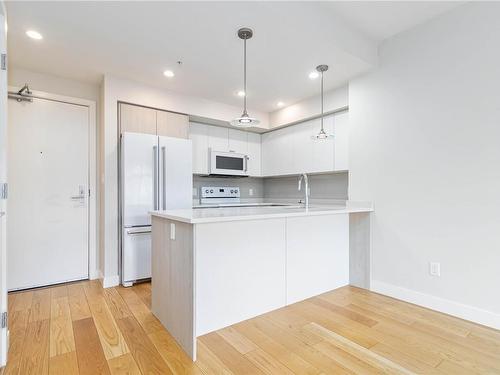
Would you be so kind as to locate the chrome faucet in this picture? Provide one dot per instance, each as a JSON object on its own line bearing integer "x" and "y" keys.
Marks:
{"x": 303, "y": 176}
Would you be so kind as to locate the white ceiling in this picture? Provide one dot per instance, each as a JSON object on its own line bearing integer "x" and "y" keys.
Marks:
{"x": 139, "y": 40}
{"x": 379, "y": 20}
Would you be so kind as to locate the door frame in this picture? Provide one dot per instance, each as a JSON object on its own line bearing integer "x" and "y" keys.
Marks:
{"x": 4, "y": 341}
{"x": 92, "y": 172}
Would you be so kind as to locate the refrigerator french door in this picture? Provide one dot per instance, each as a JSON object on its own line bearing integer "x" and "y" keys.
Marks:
{"x": 156, "y": 174}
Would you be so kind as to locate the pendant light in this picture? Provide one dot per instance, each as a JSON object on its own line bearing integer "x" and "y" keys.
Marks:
{"x": 322, "y": 135}
{"x": 245, "y": 121}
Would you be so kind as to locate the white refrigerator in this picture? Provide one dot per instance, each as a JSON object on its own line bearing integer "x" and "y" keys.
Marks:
{"x": 156, "y": 174}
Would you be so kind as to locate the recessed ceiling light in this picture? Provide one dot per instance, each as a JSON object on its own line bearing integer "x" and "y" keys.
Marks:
{"x": 34, "y": 34}
{"x": 313, "y": 75}
{"x": 241, "y": 93}
{"x": 168, "y": 73}
{"x": 280, "y": 104}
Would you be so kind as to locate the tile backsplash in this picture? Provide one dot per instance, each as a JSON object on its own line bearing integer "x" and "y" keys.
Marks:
{"x": 323, "y": 187}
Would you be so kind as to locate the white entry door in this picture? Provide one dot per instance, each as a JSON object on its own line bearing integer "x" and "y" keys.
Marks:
{"x": 47, "y": 230}
{"x": 3, "y": 180}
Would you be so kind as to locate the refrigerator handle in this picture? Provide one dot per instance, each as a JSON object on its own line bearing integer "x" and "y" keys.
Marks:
{"x": 155, "y": 177}
{"x": 164, "y": 178}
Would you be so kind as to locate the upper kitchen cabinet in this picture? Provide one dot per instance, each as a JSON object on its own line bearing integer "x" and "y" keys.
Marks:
{"x": 277, "y": 152}
{"x": 237, "y": 141}
{"x": 218, "y": 138}
{"x": 198, "y": 133}
{"x": 254, "y": 154}
{"x": 341, "y": 131}
{"x": 205, "y": 137}
{"x": 136, "y": 119}
{"x": 323, "y": 150}
{"x": 293, "y": 149}
{"x": 171, "y": 124}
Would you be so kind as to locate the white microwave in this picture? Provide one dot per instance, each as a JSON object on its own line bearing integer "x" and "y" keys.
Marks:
{"x": 227, "y": 163}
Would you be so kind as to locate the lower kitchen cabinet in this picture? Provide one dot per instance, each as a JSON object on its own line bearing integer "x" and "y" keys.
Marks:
{"x": 317, "y": 259}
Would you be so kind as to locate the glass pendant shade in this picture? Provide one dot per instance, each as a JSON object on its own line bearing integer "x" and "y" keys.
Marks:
{"x": 245, "y": 121}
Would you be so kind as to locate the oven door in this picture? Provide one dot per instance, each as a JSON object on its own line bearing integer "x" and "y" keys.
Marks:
{"x": 228, "y": 163}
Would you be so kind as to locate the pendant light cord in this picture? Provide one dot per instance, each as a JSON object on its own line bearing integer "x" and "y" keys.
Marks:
{"x": 322, "y": 101}
{"x": 245, "y": 75}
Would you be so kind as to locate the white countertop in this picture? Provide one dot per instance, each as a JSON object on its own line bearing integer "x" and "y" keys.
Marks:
{"x": 213, "y": 215}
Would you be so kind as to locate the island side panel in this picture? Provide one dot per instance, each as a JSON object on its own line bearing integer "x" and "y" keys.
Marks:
{"x": 317, "y": 255}
{"x": 360, "y": 249}
{"x": 173, "y": 281}
{"x": 240, "y": 271}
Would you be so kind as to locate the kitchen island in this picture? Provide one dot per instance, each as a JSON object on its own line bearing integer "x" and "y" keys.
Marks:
{"x": 214, "y": 267}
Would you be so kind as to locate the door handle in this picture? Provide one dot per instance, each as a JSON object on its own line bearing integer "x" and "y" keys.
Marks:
{"x": 81, "y": 193}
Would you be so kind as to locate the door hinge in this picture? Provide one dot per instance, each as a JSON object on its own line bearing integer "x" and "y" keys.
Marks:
{"x": 4, "y": 319}
{"x": 4, "y": 190}
{"x": 4, "y": 61}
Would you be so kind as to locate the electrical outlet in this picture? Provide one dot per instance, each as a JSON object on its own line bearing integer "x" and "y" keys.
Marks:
{"x": 435, "y": 269}
{"x": 250, "y": 192}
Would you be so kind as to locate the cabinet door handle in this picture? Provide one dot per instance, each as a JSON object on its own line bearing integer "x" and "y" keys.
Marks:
{"x": 246, "y": 163}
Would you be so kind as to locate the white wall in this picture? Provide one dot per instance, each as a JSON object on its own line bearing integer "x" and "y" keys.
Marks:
{"x": 334, "y": 100}
{"x": 114, "y": 90}
{"x": 425, "y": 148}
{"x": 55, "y": 85}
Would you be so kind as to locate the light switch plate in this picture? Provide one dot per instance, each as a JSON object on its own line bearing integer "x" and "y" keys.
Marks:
{"x": 172, "y": 231}
{"x": 195, "y": 192}
{"x": 250, "y": 192}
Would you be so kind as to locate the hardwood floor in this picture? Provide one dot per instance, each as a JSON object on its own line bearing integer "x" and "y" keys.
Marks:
{"x": 80, "y": 328}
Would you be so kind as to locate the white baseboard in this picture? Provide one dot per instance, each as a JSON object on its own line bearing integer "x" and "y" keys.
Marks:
{"x": 110, "y": 281}
{"x": 95, "y": 274}
{"x": 446, "y": 306}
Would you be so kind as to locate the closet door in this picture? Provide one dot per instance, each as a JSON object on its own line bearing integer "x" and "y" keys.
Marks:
{"x": 170, "y": 124}
{"x": 136, "y": 119}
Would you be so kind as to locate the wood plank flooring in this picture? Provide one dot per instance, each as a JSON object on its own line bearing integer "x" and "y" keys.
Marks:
{"x": 81, "y": 328}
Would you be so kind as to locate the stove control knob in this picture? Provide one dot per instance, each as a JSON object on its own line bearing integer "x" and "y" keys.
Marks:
{"x": 211, "y": 191}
